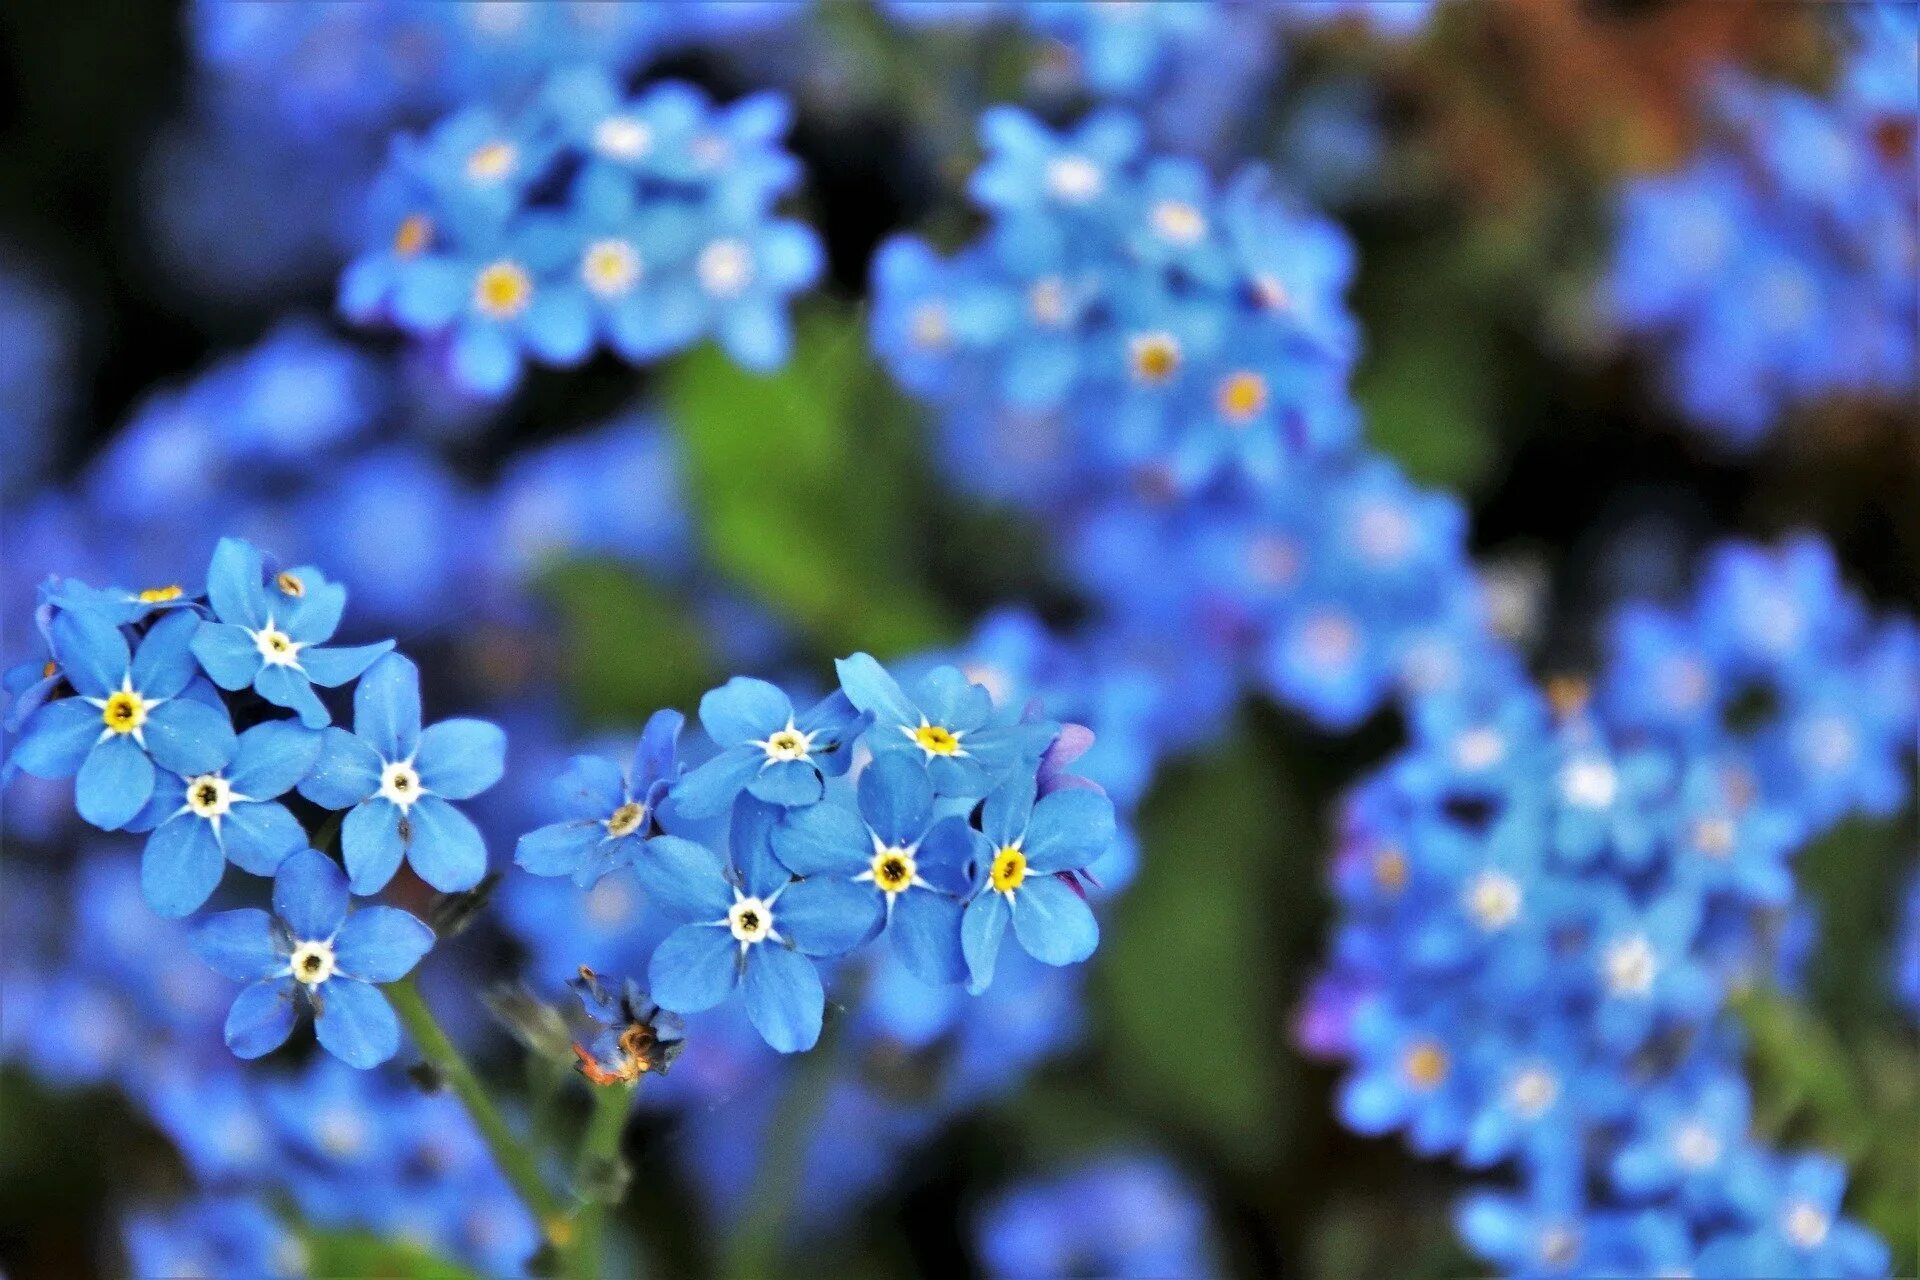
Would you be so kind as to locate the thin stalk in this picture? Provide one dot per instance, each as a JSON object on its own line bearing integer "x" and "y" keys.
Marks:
{"x": 599, "y": 1154}
{"x": 515, "y": 1159}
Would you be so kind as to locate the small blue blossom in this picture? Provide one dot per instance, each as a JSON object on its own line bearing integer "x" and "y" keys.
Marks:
{"x": 764, "y": 748}
{"x": 396, "y": 780}
{"x": 610, "y": 815}
{"x": 949, "y": 724}
{"x": 313, "y": 947}
{"x": 1125, "y": 1216}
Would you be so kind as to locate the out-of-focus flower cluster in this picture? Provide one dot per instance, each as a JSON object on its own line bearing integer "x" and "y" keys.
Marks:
{"x": 1548, "y": 901}
{"x": 1779, "y": 265}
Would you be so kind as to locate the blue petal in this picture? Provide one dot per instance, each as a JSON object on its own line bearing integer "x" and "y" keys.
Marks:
{"x": 591, "y": 788}
{"x": 189, "y": 737}
{"x": 114, "y": 783}
{"x": 869, "y": 687}
{"x": 371, "y": 843}
{"x": 163, "y": 663}
{"x": 1068, "y": 830}
{"x": 824, "y": 839}
{"x": 751, "y": 838}
{"x": 786, "y": 783}
{"x": 558, "y": 849}
{"x": 1003, "y": 819}
{"x": 694, "y": 968}
{"x": 269, "y": 759}
{"x": 331, "y": 668}
{"x": 381, "y": 944}
{"x": 259, "y": 837}
{"x": 57, "y": 738}
{"x": 239, "y": 945}
{"x": 654, "y": 760}
{"x": 754, "y": 332}
{"x": 310, "y": 895}
{"x": 461, "y": 758}
{"x": 926, "y": 933}
{"x": 313, "y": 616}
{"x": 356, "y": 1024}
{"x": 91, "y": 652}
{"x": 289, "y": 687}
{"x": 708, "y": 790}
{"x": 828, "y": 917}
{"x": 386, "y": 707}
{"x": 743, "y": 710}
{"x": 960, "y": 777}
{"x": 945, "y": 855}
{"x": 234, "y": 584}
{"x": 559, "y": 326}
{"x": 684, "y": 879}
{"x": 1053, "y": 923}
{"x": 444, "y": 846}
{"x": 484, "y": 360}
{"x": 784, "y": 997}
{"x": 896, "y": 799}
{"x": 181, "y": 866}
{"x": 346, "y": 772}
{"x": 981, "y": 928}
{"x": 262, "y": 1018}
{"x": 227, "y": 654}
{"x": 946, "y": 697}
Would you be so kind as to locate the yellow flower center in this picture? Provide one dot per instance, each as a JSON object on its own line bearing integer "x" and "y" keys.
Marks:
{"x": 502, "y": 290}
{"x": 276, "y": 647}
{"x": 1241, "y": 397}
{"x": 491, "y": 162}
{"x": 893, "y": 870}
{"x": 1390, "y": 870}
{"x": 413, "y": 235}
{"x": 290, "y": 584}
{"x": 124, "y": 712}
{"x": 1178, "y": 222}
{"x": 610, "y": 267}
{"x": 1009, "y": 869}
{"x": 1155, "y": 357}
{"x": 626, "y": 819}
{"x": 937, "y": 740}
{"x": 788, "y": 744}
{"x": 312, "y": 962}
{"x": 1425, "y": 1064}
{"x": 160, "y": 595}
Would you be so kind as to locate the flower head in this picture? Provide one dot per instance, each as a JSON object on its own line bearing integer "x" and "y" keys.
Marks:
{"x": 610, "y": 815}
{"x": 775, "y": 755}
{"x": 949, "y": 724}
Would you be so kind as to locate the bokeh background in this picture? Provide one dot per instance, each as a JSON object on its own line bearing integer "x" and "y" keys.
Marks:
{"x": 175, "y": 207}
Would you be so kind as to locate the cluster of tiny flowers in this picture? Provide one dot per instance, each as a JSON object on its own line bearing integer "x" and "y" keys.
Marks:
{"x": 1121, "y": 1216}
{"x": 1779, "y": 265}
{"x": 958, "y": 826}
{"x": 166, "y": 709}
{"x": 1122, "y": 316}
{"x": 583, "y": 219}
{"x": 1547, "y": 901}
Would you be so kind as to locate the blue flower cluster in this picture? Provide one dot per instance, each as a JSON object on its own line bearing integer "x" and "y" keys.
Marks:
{"x": 587, "y": 218}
{"x": 1124, "y": 1216}
{"x": 1123, "y": 316}
{"x": 960, "y": 826}
{"x": 1548, "y": 900}
{"x": 1778, "y": 266}
{"x": 163, "y": 708}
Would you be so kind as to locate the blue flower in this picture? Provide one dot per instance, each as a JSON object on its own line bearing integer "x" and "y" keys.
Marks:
{"x": 610, "y": 816}
{"x": 1024, "y": 855}
{"x": 131, "y": 711}
{"x": 395, "y": 780}
{"x": 1030, "y": 168}
{"x": 1119, "y": 1216}
{"x": 913, "y": 863}
{"x": 764, "y": 748}
{"x": 270, "y": 639}
{"x": 1689, "y": 1143}
{"x": 215, "y": 1235}
{"x": 949, "y": 724}
{"x": 202, "y": 822}
{"x": 1409, "y": 1074}
{"x": 751, "y": 926}
{"x": 312, "y": 946}
{"x": 629, "y": 1035}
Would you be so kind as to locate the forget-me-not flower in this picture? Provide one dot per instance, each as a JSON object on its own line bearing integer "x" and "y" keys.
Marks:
{"x": 610, "y": 815}
{"x": 765, "y": 748}
{"x": 948, "y": 723}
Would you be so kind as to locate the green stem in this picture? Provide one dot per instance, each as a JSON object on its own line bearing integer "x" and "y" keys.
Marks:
{"x": 513, "y": 1156}
{"x": 597, "y": 1173}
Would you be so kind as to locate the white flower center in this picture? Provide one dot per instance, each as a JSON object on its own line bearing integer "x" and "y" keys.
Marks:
{"x": 1330, "y": 640}
{"x": 610, "y": 267}
{"x": 312, "y": 962}
{"x": 929, "y": 327}
{"x": 209, "y": 796}
{"x": 627, "y": 819}
{"x": 1480, "y": 748}
{"x": 1047, "y": 300}
{"x": 610, "y": 903}
{"x": 341, "y": 1133}
{"x": 491, "y": 162}
{"x": 1493, "y": 899}
{"x": 623, "y": 137}
{"x": 1695, "y": 1146}
{"x": 277, "y": 648}
{"x": 750, "y": 920}
{"x": 1383, "y": 532}
{"x": 1630, "y": 966}
{"x": 1178, "y": 222}
{"x": 1589, "y": 783}
{"x": 1533, "y": 1091}
{"x": 1074, "y": 178}
{"x": 786, "y": 744}
{"x": 400, "y": 783}
{"x": 725, "y": 268}
{"x": 1807, "y": 1225}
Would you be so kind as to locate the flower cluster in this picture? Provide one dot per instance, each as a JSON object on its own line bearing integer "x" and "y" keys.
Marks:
{"x": 1547, "y": 902}
{"x": 587, "y": 218}
{"x": 1779, "y": 264}
{"x": 960, "y": 826}
{"x": 163, "y": 706}
{"x": 1123, "y": 315}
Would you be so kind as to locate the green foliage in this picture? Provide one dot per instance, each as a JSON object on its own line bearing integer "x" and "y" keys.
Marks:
{"x": 803, "y": 484}
{"x": 365, "y": 1256}
{"x": 628, "y": 649}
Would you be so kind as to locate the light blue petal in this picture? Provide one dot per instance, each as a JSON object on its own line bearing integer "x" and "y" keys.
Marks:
{"x": 189, "y": 737}
{"x": 591, "y": 788}
{"x": 91, "y": 651}
{"x": 227, "y": 654}
{"x": 751, "y": 838}
{"x": 828, "y": 917}
{"x": 310, "y": 895}
{"x": 239, "y": 945}
{"x": 445, "y": 849}
{"x": 896, "y": 799}
{"x": 386, "y": 707}
{"x": 461, "y": 758}
{"x": 947, "y": 697}
{"x": 710, "y": 789}
{"x": 262, "y": 1018}
{"x": 57, "y": 738}
{"x": 1053, "y": 923}
{"x": 559, "y": 326}
{"x": 684, "y": 879}
{"x": 312, "y": 617}
{"x": 824, "y": 839}
{"x": 163, "y": 664}
{"x": 1068, "y": 830}
{"x": 869, "y": 687}
{"x": 289, "y": 687}
{"x": 114, "y": 782}
{"x": 1003, "y": 819}
{"x": 926, "y": 933}
{"x": 346, "y": 772}
{"x": 381, "y": 944}
{"x": 784, "y": 997}
{"x": 788, "y": 784}
{"x": 743, "y": 710}
{"x": 371, "y": 843}
{"x": 694, "y": 968}
{"x": 234, "y": 584}
{"x": 558, "y": 849}
{"x": 981, "y": 928}
{"x": 655, "y": 758}
{"x": 181, "y": 866}
{"x": 356, "y": 1024}
{"x": 947, "y": 852}
{"x": 259, "y": 837}
{"x": 330, "y": 668}
{"x": 484, "y": 360}
{"x": 754, "y": 332}
{"x": 270, "y": 759}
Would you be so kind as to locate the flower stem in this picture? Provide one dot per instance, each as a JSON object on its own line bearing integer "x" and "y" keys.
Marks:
{"x": 515, "y": 1159}
{"x": 597, "y": 1177}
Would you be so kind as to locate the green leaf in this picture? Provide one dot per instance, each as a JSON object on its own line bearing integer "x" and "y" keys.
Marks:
{"x": 365, "y": 1256}
{"x": 628, "y": 649}
{"x": 801, "y": 482}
